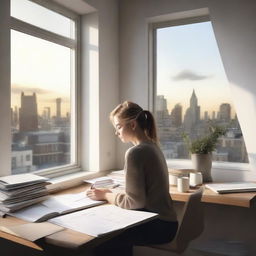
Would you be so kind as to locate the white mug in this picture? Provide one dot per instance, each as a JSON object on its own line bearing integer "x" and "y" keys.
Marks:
{"x": 183, "y": 184}
{"x": 195, "y": 178}
{"x": 173, "y": 179}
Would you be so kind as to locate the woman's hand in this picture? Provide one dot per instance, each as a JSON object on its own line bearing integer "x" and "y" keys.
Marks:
{"x": 97, "y": 193}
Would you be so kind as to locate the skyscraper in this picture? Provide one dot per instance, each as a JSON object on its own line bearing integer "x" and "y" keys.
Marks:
{"x": 28, "y": 120}
{"x": 225, "y": 112}
{"x": 58, "y": 108}
{"x": 176, "y": 115}
{"x": 195, "y": 109}
{"x": 206, "y": 116}
{"x": 192, "y": 115}
{"x": 47, "y": 113}
{"x": 15, "y": 116}
{"x": 161, "y": 103}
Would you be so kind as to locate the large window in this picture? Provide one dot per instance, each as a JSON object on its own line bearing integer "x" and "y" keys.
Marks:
{"x": 192, "y": 92}
{"x": 43, "y": 87}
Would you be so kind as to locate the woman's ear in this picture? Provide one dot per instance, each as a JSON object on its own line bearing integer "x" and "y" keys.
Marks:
{"x": 133, "y": 124}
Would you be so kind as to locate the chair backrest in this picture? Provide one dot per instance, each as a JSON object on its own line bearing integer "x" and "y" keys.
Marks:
{"x": 191, "y": 224}
{"x": 192, "y": 221}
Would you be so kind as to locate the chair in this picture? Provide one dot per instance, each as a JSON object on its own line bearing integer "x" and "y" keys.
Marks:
{"x": 190, "y": 227}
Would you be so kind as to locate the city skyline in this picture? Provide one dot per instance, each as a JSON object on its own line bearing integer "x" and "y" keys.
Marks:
{"x": 55, "y": 111}
{"x": 35, "y": 65}
{"x": 188, "y": 58}
{"x": 43, "y": 105}
{"x": 182, "y": 111}
{"x": 185, "y": 105}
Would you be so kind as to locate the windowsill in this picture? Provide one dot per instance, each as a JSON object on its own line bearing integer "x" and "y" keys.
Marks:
{"x": 76, "y": 178}
{"x": 219, "y": 166}
{"x": 72, "y": 180}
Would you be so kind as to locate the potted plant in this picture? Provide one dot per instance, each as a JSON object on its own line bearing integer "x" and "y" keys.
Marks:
{"x": 201, "y": 150}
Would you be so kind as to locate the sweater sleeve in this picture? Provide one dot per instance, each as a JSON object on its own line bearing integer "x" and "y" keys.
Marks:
{"x": 135, "y": 194}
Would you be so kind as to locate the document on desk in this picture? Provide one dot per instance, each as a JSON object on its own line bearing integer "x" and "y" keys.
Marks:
{"x": 20, "y": 180}
{"x": 32, "y": 231}
{"x": 103, "y": 219}
{"x": 232, "y": 187}
{"x": 55, "y": 206}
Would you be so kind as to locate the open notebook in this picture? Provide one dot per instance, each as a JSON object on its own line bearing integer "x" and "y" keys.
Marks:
{"x": 55, "y": 206}
{"x": 232, "y": 187}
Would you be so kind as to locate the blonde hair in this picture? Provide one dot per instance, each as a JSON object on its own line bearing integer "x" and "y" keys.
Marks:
{"x": 128, "y": 111}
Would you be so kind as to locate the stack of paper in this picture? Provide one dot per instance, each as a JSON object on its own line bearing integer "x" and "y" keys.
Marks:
{"x": 21, "y": 190}
{"x": 118, "y": 178}
{"x": 102, "y": 182}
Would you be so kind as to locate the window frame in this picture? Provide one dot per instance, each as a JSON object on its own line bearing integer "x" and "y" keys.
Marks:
{"x": 74, "y": 44}
{"x": 152, "y": 46}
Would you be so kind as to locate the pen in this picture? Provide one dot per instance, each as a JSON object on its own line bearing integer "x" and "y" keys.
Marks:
{"x": 115, "y": 185}
{"x": 92, "y": 186}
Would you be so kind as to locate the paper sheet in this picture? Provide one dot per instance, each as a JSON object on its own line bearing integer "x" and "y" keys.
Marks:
{"x": 102, "y": 219}
{"x": 32, "y": 231}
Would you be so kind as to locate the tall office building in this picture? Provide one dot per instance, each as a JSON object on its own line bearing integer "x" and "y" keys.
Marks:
{"x": 206, "y": 116}
{"x": 161, "y": 103}
{"x": 28, "y": 120}
{"x": 47, "y": 113}
{"x": 162, "y": 114}
{"x": 225, "y": 112}
{"x": 176, "y": 115}
{"x": 192, "y": 115}
{"x": 58, "y": 108}
{"x": 15, "y": 116}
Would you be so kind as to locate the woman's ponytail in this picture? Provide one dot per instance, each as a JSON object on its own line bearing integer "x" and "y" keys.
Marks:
{"x": 147, "y": 123}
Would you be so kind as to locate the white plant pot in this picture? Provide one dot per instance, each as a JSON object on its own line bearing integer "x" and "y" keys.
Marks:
{"x": 203, "y": 163}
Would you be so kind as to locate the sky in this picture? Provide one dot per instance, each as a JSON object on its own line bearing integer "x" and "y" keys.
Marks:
{"x": 38, "y": 65}
{"x": 188, "y": 58}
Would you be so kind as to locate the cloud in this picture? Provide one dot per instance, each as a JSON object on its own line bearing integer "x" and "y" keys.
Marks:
{"x": 189, "y": 75}
{"x": 18, "y": 89}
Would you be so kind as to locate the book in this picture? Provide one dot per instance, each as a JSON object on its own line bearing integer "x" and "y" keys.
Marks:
{"x": 21, "y": 190}
{"x": 23, "y": 197}
{"x": 102, "y": 182}
{"x": 101, "y": 220}
{"x": 16, "y": 181}
{"x": 55, "y": 206}
{"x": 232, "y": 187}
{"x": 12, "y": 207}
{"x": 6, "y": 194}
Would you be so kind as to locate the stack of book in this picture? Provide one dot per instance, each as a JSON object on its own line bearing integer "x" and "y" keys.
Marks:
{"x": 21, "y": 190}
{"x": 102, "y": 182}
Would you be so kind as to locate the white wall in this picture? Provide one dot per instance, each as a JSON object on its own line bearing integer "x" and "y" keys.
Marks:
{"x": 101, "y": 78}
{"x": 234, "y": 24}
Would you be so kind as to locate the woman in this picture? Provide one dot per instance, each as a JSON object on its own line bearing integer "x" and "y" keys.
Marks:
{"x": 147, "y": 184}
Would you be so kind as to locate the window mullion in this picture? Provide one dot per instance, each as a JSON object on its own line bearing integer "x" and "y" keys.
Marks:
{"x": 32, "y": 30}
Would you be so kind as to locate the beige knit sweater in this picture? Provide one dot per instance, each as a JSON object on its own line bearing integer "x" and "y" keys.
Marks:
{"x": 147, "y": 182}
